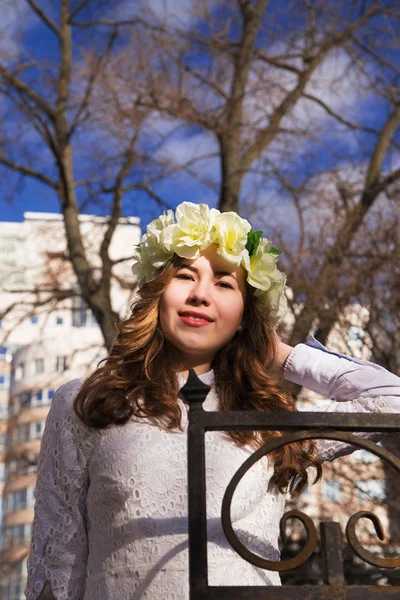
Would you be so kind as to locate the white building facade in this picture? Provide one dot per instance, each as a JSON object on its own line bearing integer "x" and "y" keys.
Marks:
{"x": 43, "y": 344}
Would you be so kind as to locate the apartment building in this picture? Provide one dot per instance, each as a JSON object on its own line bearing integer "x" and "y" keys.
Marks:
{"x": 43, "y": 344}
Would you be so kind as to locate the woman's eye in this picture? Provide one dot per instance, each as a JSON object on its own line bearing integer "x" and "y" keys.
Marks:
{"x": 226, "y": 285}
{"x": 184, "y": 276}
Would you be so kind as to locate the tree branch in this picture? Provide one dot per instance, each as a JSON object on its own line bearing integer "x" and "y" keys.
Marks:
{"x": 23, "y": 88}
{"x": 116, "y": 210}
{"x": 28, "y": 171}
{"x": 78, "y": 9}
{"x": 342, "y": 120}
{"x": 46, "y": 20}
{"x": 381, "y": 147}
{"x": 265, "y": 136}
{"x": 91, "y": 82}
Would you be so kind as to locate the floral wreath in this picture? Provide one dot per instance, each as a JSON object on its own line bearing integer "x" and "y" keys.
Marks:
{"x": 196, "y": 228}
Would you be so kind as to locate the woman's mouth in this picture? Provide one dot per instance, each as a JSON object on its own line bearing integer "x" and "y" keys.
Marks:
{"x": 195, "y": 320}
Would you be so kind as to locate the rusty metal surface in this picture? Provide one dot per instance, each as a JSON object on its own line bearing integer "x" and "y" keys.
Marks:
{"x": 263, "y": 451}
{"x": 303, "y": 592}
{"x": 300, "y": 426}
{"x": 332, "y": 557}
{"x": 284, "y": 421}
{"x": 369, "y": 557}
{"x": 274, "y": 565}
{"x": 195, "y": 392}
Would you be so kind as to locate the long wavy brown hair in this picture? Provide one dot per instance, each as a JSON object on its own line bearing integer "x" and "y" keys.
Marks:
{"x": 138, "y": 380}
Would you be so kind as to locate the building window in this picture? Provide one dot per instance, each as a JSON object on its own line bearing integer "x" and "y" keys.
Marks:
{"x": 82, "y": 316}
{"x": 23, "y": 401}
{"x": 4, "y": 412}
{"x": 15, "y": 536}
{"x": 3, "y": 352}
{"x": 370, "y": 490}
{"x": 28, "y": 431}
{"x": 59, "y": 320}
{"x": 38, "y": 399}
{"x": 39, "y": 365}
{"x": 39, "y": 429}
{"x": 20, "y": 466}
{"x": 22, "y": 433}
{"x": 20, "y": 372}
{"x": 34, "y": 320}
{"x": 50, "y": 394}
{"x": 4, "y": 382}
{"x": 61, "y": 363}
{"x": 331, "y": 490}
{"x": 17, "y": 500}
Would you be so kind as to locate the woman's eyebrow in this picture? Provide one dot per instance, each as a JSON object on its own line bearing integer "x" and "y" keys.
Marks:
{"x": 216, "y": 273}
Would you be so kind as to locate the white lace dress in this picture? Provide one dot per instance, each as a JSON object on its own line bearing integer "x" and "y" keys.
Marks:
{"x": 111, "y": 505}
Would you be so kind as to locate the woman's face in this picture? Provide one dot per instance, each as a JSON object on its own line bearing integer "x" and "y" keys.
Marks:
{"x": 202, "y": 307}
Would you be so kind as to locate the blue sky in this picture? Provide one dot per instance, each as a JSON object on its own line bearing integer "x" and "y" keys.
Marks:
{"x": 330, "y": 145}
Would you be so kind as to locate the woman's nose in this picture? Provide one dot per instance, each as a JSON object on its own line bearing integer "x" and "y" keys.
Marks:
{"x": 199, "y": 293}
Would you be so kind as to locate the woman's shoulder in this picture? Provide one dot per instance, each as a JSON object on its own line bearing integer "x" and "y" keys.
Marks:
{"x": 62, "y": 419}
{"x": 62, "y": 405}
{"x": 66, "y": 393}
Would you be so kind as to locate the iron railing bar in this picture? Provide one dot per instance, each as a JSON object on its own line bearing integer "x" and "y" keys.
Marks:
{"x": 244, "y": 420}
{"x": 303, "y": 592}
{"x": 325, "y": 424}
{"x": 332, "y": 558}
{"x": 197, "y": 512}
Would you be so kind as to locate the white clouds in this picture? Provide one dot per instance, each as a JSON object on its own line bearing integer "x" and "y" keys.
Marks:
{"x": 176, "y": 14}
{"x": 196, "y": 150}
{"x": 16, "y": 17}
{"x": 336, "y": 82}
{"x": 185, "y": 147}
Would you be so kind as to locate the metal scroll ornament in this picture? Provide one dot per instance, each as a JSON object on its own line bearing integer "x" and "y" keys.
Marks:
{"x": 311, "y": 534}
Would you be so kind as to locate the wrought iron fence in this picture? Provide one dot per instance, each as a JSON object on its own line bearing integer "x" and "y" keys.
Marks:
{"x": 300, "y": 426}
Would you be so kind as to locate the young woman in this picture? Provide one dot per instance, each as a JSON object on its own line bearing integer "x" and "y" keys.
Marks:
{"x": 111, "y": 496}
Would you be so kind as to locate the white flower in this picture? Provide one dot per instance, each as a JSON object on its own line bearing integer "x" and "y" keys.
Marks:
{"x": 142, "y": 267}
{"x": 230, "y": 233}
{"x": 263, "y": 274}
{"x": 192, "y": 232}
{"x": 275, "y": 299}
{"x": 197, "y": 228}
{"x": 261, "y": 266}
{"x": 150, "y": 254}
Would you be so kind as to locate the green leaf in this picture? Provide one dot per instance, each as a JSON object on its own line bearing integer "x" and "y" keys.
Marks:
{"x": 253, "y": 241}
{"x": 274, "y": 251}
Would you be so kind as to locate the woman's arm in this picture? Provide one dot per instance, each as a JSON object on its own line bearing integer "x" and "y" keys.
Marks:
{"x": 357, "y": 386}
{"x": 58, "y": 553}
{"x": 283, "y": 352}
{"x": 340, "y": 377}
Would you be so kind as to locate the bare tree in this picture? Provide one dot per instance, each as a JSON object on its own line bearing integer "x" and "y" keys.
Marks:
{"x": 256, "y": 83}
{"x": 62, "y": 126}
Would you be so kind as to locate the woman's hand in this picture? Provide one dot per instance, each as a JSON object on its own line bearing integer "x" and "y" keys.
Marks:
{"x": 283, "y": 351}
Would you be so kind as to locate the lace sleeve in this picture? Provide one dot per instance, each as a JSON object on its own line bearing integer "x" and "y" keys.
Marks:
{"x": 331, "y": 449}
{"x": 58, "y": 553}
